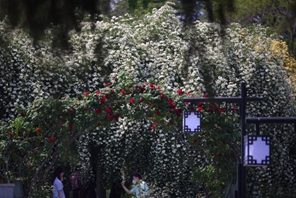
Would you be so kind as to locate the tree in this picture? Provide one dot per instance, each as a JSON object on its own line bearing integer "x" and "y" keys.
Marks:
{"x": 277, "y": 14}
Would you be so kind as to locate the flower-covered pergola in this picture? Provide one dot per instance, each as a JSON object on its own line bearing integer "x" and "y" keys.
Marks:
{"x": 59, "y": 105}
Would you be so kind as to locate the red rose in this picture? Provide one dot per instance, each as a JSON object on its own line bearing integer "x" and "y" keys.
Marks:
{"x": 178, "y": 111}
{"x": 70, "y": 127}
{"x": 199, "y": 108}
{"x": 71, "y": 109}
{"x": 171, "y": 103}
{"x": 222, "y": 110}
{"x": 153, "y": 126}
{"x": 99, "y": 111}
{"x": 1, "y": 180}
{"x": 116, "y": 117}
{"x": 86, "y": 93}
{"x": 180, "y": 91}
{"x": 152, "y": 86}
{"x": 194, "y": 141}
{"x": 98, "y": 92}
{"x": 51, "y": 139}
{"x": 159, "y": 88}
{"x": 107, "y": 97}
{"x": 122, "y": 91}
{"x": 106, "y": 84}
{"x": 132, "y": 101}
{"x": 141, "y": 100}
{"x": 10, "y": 133}
{"x": 103, "y": 99}
{"x": 158, "y": 113}
{"x": 218, "y": 154}
{"x": 210, "y": 110}
{"x": 108, "y": 109}
{"x": 162, "y": 95}
{"x": 109, "y": 117}
{"x": 186, "y": 103}
{"x": 233, "y": 108}
{"x": 200, "y": 104}
{"x": 205, "y": 95}
{"x": 38, "y": 130}
{"x": 217, "y": 108}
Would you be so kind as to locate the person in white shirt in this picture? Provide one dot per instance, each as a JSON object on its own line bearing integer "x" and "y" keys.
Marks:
{"x": 58, "y": 187}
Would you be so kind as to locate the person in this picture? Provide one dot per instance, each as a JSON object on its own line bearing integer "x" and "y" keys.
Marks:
{"x": 76, "y": 183}
{"x": 140, "y": 188}
{"x": 58, "y": 187}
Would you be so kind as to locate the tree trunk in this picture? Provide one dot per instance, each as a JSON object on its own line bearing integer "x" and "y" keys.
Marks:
{"x": 116, "y": 190}
{"x": 101, "y": 191}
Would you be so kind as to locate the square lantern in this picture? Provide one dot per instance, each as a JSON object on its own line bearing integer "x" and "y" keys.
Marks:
{"x": 257, "y": 150}
{"x": 191, "y": 121}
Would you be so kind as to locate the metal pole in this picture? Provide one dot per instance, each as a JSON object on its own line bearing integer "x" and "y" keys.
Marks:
{"x": 243, "y": 131}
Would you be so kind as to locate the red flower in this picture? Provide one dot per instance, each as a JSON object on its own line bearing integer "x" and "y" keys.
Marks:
{"x": 70, "y": 127}
{"x": 107, "y": 96}
{"x": 108, "y": 109}
{"x": 106, "y": 84}
{"x": 98, "y": 110}
{"x": 200, "y": 104}
{"x": 10, "y": 133}
{"x": 116, "y": 117}
{"x": 205, "y": 95}
{"x": 162, "y": 95}
{"x": 109, "y": 117}
{"x": 86, "y": 93}
{"x": 149, "y": 116}
{"x": 159, "y": 88}
{"x": 122, "y": 91}
{"x": 199, "y": 108}
{"x": 187, "y": 93}
{"x": 152, "y": 86}
{"x": 1, "y": 180}
{"x": 210, "y": 110}
{"x": 194, "y": 141}
{"x": 186, "y": 103}
{"x": 141, "y": 100}
{"x": 158, "y": 113}
{"x": 218, "y": 154}
{"x": 103, "y": 99}
{"x": 233, "y": 108}
{"x": 132, "y": 101}
{"x": 178, "y": 111}
{"x": 180, "y": 91}
{"x": 51, "y": 139}
{"x": 217, "y": 108}
{"x": 171, "y": 103}
{"x": 71, "y": 109}
{"x": 38, "y": 130}
{"x": 171, "y": 122}
{"x": 98, "y": 92}
{"x": 153, "y": 126}
{"x": 222, "y": 110}
{"x": 25, "y": 154}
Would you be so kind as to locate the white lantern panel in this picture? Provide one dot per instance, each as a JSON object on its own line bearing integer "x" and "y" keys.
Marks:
{"x": 257, "y": 150}
{"x": 191, "y": 121}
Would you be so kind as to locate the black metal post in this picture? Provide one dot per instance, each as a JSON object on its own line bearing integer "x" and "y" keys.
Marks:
{"x": 241, "y": 177}
{"x": 243, "y": 132}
